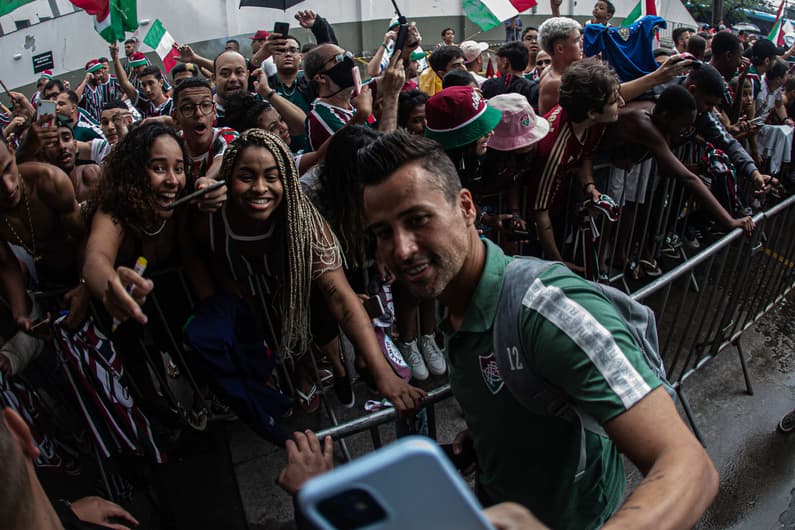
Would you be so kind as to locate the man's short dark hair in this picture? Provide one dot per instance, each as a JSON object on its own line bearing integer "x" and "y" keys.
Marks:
{"x": 442, "y": 56}
{"x": 697, "y": 46}
{"x": 290, "y": 37}
{"x": 676, "y": 33}
{"x": 528, "y": 29}
{"x": 131, "y": 40}
{"x": 778, "y": 69}
{"x": 707, "y": 80}
{"x": 409, "y": 100}
{"x": 74, "y": 99}
{"x": 445, "y": 30}
{"x": 54, "y": 83}
{"x": 675, "y": 100}
{"x": 586, "y": 86}
{"x": 388, "y": 153}
{"x": 185, "y": 67}
{"x": 761, "y": 50}
{"x": 611, "y": 9}
{"x": 516, "y": 53}
{"x": 114, "y": 104}
{"x": 233, "y": 41}
{"x": 659, "y": 52}
{"x": 192, "y": 82}
{"x": 151, "y": 70}
{"x": 725, "y": 42}
{"x": 457, "y": 78}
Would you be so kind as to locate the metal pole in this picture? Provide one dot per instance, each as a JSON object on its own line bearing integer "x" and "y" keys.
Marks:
{"x": 717, "y": 12}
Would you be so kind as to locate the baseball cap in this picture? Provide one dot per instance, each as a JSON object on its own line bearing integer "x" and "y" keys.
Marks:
{"x": 260, "y": 35}
{"x": 472, "y": 50}
{"x": 519, "y": 126}
{"x": 457, "y": 116}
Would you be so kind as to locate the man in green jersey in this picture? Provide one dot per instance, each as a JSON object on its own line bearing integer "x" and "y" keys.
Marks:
{"x": 425, "y": 227}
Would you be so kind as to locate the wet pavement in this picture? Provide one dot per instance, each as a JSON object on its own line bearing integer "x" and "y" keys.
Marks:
{"x": 756, "y": 463}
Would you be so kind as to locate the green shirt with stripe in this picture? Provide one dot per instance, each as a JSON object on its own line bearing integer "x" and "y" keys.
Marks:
{"x": 532, "y": 459}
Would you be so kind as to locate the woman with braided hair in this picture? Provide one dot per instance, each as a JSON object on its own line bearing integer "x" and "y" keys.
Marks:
{"x": 267, "y": 234}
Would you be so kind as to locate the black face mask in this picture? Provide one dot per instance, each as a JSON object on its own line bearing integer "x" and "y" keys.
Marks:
{"x": 342, "y": 73}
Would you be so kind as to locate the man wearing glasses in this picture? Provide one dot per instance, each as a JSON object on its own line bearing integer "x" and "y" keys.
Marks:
{"x": 194, "y": 113}
{"x": 334, "y": 74}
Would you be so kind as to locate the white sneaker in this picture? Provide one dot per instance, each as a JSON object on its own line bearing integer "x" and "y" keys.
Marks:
{"x": 411, "y": 353}
{"x": 433, "y": 355}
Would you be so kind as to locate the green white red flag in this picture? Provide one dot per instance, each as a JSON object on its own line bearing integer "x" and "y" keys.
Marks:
{"x": 776, "y": 35}
{"x": 111, "y": 17}
{"x": 641, "y": 9}
{"x": 487, "y": 14}
{"x": 159, "y": 39}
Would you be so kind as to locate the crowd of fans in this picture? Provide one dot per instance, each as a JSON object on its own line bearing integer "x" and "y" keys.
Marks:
{"x": 276, "y": 246}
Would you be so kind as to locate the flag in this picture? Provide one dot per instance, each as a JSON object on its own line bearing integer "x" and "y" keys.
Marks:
{"x": 489, "y": 14}
{"x": 776, "y": 35}
{"x": 162, "y": 42}
{"x": 7, "y": 6}
{"x": 112, "y": 17}
{"x": 637, "y": 11}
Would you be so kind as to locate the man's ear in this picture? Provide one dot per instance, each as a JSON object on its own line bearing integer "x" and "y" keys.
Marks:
{"x": 21, "y": 433}
{"x": 467, "y": 205}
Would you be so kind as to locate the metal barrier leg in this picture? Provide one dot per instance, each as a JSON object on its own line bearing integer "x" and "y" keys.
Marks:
{"x": 689, "y": 413}
{"x": 748, "y": 388}
{"x": 375, "y": 434}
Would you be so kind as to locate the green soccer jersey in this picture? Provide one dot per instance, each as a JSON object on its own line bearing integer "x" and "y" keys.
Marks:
{"x": 581, "y": 345}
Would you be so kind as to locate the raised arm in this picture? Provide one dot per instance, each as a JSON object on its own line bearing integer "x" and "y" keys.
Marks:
{"x": 121, "y": 74}
{"x": 349, "y": 311}
{"x": 293, "y": 116}
{"x": 671, "y": 68}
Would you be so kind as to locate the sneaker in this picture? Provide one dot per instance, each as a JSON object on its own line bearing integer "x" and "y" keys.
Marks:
{"x": 787, "y": 423}
{"x": 434, "y": 357}
{"x": 344, "y": 391}
{"x": 411, "y": 353}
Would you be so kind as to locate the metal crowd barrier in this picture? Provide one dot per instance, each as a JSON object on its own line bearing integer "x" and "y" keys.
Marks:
{"x": 702, "y": 306}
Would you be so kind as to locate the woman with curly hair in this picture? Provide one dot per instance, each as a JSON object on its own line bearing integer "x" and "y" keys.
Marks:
{"x": 131, "y": 216}
{"x": 268, "y": 234}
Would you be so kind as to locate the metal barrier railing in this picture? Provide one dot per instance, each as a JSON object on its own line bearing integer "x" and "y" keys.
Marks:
{"x": 717, "y": 299}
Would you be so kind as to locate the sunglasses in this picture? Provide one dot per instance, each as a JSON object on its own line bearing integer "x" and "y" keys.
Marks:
{"x": 339, "y": 57}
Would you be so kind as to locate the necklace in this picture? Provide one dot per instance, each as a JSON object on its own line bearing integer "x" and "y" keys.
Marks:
{"x": 284, "y": 87}
{"x": 32, "y": 249}
{"x": 152, "y": 234}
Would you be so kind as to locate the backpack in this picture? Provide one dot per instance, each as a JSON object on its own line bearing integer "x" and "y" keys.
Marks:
{"x": 512, "y": 355}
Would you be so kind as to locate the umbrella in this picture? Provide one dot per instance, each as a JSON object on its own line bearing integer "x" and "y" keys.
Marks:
{"x": 273, "y": 4}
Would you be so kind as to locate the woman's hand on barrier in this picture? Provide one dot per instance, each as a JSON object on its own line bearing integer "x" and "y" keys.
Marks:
{"x": 407, "y": 399}
{"x": 746, "y": 223}
{"x": 305, "y": 459}
{"x": 125, "y": 293}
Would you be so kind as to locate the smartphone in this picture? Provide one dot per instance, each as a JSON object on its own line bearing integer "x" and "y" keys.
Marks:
{"x": 403, "y": 28}
{"x": 407, "y": 484}
{"x": 282, "y": 28}
{"x": 196, "y": 194}
{"x": 374, "y": 307}
{"x": 46, "y": 107}
{"x": 357, "y": 82}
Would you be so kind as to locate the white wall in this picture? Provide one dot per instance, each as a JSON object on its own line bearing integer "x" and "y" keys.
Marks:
{"x": 73, "y": 40}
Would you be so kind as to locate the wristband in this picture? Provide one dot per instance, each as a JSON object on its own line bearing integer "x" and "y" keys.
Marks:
{"x": 270, "y": 95}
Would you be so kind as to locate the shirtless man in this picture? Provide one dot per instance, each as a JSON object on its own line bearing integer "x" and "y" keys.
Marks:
{"x": 561, "y": 38}
{"x": 40, "y": 215}
{"x": 645, "y": 129}
{"x": 61, "y": 151}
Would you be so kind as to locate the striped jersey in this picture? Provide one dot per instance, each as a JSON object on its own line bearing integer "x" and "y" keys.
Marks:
{"x": 324, "y": 120}
{"x": 222, "y": 137}
{"x": 94, "y": 97}
{"x": 559, "y": 154}
{"x": 149, "y": 109}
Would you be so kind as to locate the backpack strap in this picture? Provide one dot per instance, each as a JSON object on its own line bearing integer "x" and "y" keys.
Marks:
{"x": 514, "y": 358}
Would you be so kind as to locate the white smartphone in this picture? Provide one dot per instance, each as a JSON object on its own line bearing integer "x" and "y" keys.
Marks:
{"x": 407, "y": 484}
{"x": 44, "y": 107}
